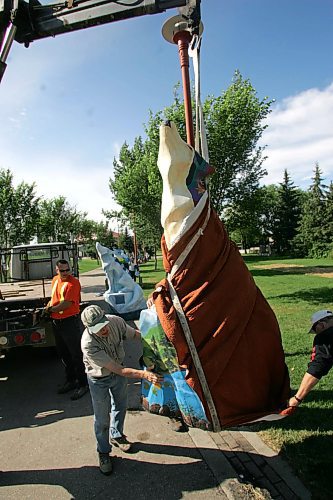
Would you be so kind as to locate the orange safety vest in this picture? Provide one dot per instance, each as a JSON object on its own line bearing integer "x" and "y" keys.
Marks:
{"x": 65, "y": 290}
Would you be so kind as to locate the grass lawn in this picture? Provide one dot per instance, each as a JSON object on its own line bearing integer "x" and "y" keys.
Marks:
{"x": 88, "y": 264}
{"x": 150, "y": 277}
{"x": 294, "y": 289}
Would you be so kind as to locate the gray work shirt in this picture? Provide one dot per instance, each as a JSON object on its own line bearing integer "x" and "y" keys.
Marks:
{"x": 98, "y": 352}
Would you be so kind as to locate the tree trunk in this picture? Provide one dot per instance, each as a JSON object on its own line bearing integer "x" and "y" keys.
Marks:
{"x": 155, "y": 257}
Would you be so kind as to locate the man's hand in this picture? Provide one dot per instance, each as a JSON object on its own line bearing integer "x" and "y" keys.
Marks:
{"x": 294, "y": 401}
{"x": 291, "y": 407}
{"x": 288, "y": 411}
{"x": 150, "y": 302}
{"x": 152, "y": 377}
{"x": 46, "y": 312}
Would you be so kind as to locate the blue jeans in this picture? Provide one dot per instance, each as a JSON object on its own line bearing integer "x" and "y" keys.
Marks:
{"x": 108, "y": 394}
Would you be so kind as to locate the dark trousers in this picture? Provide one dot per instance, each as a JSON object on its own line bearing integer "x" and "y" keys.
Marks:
{"x": 67, "y": 334}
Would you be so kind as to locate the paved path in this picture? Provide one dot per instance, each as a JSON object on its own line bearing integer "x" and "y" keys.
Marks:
{"x": 48, "y": 449}
{"x": 240, "y": 457}
{"x": 251, "y": 462}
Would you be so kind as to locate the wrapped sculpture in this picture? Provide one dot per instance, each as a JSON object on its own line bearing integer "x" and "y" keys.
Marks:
{"x": 225, "y": 335}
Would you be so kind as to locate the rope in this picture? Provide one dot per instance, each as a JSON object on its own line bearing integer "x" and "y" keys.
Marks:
{"x": 186, "y": 329}
{"x": 179, "y": 262}
{"x": 195, "y": 357}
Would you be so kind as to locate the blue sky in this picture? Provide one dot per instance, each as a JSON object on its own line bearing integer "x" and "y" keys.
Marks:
{"x": 70, "y": 102}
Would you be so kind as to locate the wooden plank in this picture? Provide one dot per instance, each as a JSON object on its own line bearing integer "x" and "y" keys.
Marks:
{"x": 18, "y": 294}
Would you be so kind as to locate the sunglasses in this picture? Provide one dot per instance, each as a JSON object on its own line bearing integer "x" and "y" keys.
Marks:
{"x": 64, "y": 270}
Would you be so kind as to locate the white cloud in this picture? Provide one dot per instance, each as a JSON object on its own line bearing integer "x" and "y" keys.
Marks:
{"x": 86, "y": 189}
{"x": 299, "y": 134}
{"x": 44, "y": 134}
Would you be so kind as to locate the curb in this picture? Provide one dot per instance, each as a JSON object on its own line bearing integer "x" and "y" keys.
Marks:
{"x": 279, "y": 465}
{"x": 261, "y": 464}
{"x": 221, "y": 468}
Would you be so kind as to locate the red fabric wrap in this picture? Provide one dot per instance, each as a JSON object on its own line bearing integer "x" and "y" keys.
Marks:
{"x": 234, "y": 328}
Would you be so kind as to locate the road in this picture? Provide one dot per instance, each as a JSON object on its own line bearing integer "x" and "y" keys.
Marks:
{"x": 48, "y": 448}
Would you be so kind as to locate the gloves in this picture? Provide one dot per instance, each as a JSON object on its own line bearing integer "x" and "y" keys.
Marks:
{"x": 286, "y": 411}
{"x": 45, "y": 314}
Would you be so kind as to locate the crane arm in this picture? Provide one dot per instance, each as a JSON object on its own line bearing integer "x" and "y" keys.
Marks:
{"x": 26, "y": 21}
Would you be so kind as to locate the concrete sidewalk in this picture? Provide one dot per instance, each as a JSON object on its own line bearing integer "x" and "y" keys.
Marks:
{"x": 247, "y": 460}
{"x": 242, "y": 465}
{"x": 59, "y": 461}
{"x": 234, "y": 464}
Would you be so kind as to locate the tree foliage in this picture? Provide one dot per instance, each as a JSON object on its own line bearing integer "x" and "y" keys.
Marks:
{"x": 92, "y": 231}
{"x": 287, "y": 215}
{"x": 126, "y": 241}
{"x": 311, "y": 235}
{"x": 328, "y": 215}
{"x": 234, "y": 126}
{"x": 234, "y": 123}
{"x": 59, "y": 221}
{"x": 244, "y": 221}
{"x": 136, "y": 186}
{"x": 19, "y": 211}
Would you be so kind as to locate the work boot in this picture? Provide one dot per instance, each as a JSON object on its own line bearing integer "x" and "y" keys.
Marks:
{"x": 68, "y": 386}
{"x": 121, "y": 443}
{"x": 105, "y": 464}
{"x": 80, "y": 391}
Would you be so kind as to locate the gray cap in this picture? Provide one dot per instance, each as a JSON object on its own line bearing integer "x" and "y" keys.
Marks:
{"x": 93, "y": 317}
{"x": 319, "y": 316}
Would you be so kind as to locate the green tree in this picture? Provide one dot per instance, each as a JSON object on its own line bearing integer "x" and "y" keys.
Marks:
{"x": 18, "y": 211}
{"x": 59, "y": 221}
{"x": 328, "y": 219}
{"x": 287, "y": 216}
{"x": 104, "y": 234}
{"x": 310, "y": 238}
{"x": 269, "y": 199}
{"x": 91, "y": 232}
{"x": 234, "y": 123}
{"x": 126, "y": 241}
{"x": 137, "y": 188}
{"x": 244, "y": 221}
{"x": 252, "y": 223}
{"x": 234, "y": 126}
{"x": 87, "y": 230}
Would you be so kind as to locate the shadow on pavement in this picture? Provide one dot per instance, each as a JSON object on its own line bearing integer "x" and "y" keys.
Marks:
{"x": 157, "y": 473}
{"x": 29, "y": 379}
{"x": 28, "y": 390}
{"x": 131, "y": 479}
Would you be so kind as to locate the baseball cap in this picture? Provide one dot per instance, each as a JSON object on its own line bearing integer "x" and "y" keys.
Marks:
{"x": 318, "y": 316}
{"x": 93, "y": 317}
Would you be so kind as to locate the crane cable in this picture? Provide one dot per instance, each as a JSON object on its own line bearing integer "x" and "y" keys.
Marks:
{"x": 201, "y": 145}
